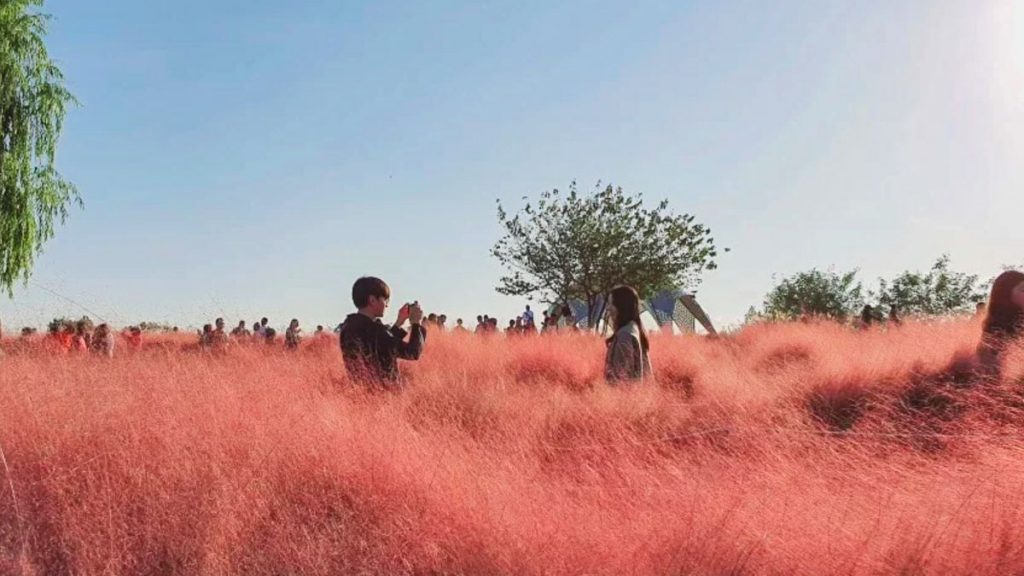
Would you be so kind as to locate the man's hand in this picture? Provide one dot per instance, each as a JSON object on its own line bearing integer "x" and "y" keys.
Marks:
{"x": 403, "y": 315}
{"x": 415, "y": 313}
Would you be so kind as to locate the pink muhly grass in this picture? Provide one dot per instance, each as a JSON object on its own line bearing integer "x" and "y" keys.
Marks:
{"x": 796, "y": 449}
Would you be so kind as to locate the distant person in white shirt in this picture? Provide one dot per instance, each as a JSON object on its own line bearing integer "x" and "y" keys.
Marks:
{"x": 528, "y": 316}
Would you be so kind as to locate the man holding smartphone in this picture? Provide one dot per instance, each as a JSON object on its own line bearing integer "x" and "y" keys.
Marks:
{"x": 369, "y": 348}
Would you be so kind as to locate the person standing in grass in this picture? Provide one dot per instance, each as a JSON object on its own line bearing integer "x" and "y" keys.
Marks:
{"x": 240, "y": 331}
{"x": 103, "y": 341}
{"x": 65, "y": 336}
{"x": 206, "y": 337}
{"x": 1003, "y": 321}
{"x": 259, "y": 329}
{"x": 867, "y": 317}
{"x": 370, "y": 349}
{"x": 627, "y": 358}
{"x": 258, "y": 336}
{"x": 293, "y": 335}
{"x": 220, "y": 335}
{"x": 133, "y": 336}
{"x": 979, "y": 309}
{"x": 527, "y": 317}
{"x": 894, "y": 315}
{"x": 83, "y": 337}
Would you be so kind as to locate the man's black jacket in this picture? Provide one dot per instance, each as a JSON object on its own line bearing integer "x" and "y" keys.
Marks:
{"x": 371, "y": 350}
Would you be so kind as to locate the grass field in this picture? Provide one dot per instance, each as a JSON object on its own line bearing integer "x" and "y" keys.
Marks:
{"x": 790, "y": 449}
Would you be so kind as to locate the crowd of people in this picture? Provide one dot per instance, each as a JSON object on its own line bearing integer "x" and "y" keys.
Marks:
{"x": 216, "y": 337}
{"x": 82, "y": 336}
{"x": 371, "y": 349}
{"x": 523, "y": 325}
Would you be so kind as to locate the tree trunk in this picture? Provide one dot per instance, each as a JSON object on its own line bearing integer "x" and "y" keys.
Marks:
{"x": 591, "y": 302}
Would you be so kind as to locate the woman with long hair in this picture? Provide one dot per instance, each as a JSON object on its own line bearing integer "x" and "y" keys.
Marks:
{"x": 628, "y": 356}
{"x": 293, "y": 335}
{"x": 1003, "y": 321}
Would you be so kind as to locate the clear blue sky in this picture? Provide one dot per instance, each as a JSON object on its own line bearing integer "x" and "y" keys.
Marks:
{"x": 248, "y": 158}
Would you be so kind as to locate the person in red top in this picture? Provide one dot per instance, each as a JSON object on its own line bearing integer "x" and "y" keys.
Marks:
{"x": 133, "y": 337}
{"x": 58, "y": 339}
{"x": 81, "y": 340}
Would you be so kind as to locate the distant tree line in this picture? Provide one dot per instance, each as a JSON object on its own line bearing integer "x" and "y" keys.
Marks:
{"x": 939, "y": 291}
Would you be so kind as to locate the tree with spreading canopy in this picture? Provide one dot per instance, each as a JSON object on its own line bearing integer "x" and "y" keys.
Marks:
{"x": 938, "y": 292}
{"x": 33, "y": 100}
{"x": 817, "y": 293}
{"x": 570, "y": 246}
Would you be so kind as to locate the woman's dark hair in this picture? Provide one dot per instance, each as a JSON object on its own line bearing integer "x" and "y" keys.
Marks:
{"x": 366, "y": 287}
{"x": 1004, "y": 315}
{"x": 627, "y": 309}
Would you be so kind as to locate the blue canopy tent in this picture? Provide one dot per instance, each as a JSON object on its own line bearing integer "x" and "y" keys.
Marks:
{"x": 668, "y": 308}
{"x": 580, "y": 312}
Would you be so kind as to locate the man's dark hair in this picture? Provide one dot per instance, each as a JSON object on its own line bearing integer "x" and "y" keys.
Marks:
{"x": 263, "y": 321}
{"x": 369, "y": 286}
